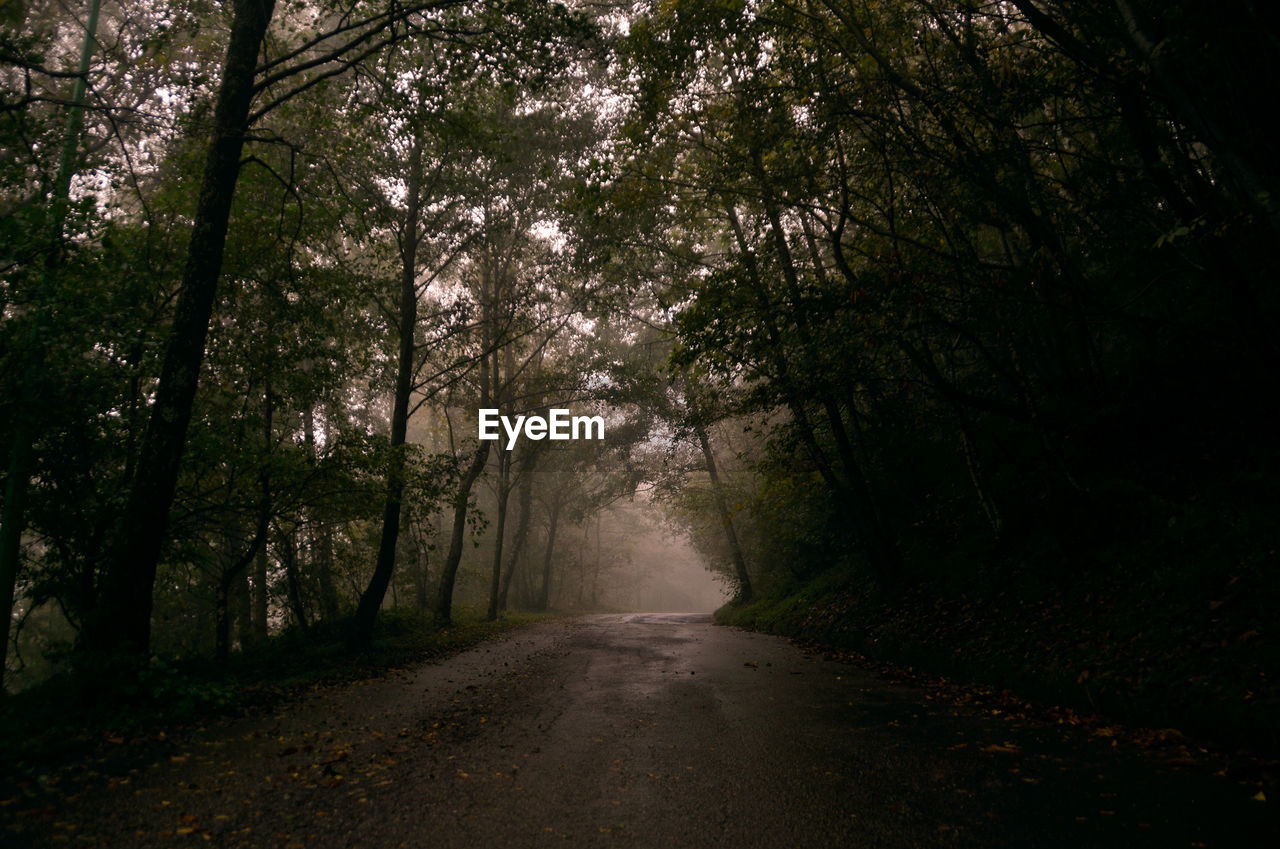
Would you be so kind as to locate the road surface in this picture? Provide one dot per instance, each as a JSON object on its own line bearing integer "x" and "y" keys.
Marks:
{"x": 649, "y": 730}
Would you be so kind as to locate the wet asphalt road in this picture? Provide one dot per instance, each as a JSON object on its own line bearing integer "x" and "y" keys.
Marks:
{"x": 647, "y": 730}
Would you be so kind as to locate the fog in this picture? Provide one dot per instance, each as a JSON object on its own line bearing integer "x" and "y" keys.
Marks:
{"x": 663, "y": 571}
{"x": 626, "y": 557}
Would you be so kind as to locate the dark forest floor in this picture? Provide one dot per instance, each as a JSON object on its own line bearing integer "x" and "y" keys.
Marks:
{"x": 57, "y": 736}
{"x": 1167, "y": 622}
{"x": 1190, "y": 682}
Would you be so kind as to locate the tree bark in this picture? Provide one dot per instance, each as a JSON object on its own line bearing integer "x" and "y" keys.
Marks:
{"x": 320, "y": 533}
{"x": 882, "y": 552}
{"x": 227, "y": 583}
{"x": 522, "y": 528}
{"x": 595, "y": 570}
{"x": 504, "y": 494}
{"x": 371, "y": 600}
{"x": 449, "y": 573}
{"x": 222, "y": 636}
{"x": 782, "y": 367}
{"x": 120, "y": 623}
{"x": 852, "y": 494}
{"x": 421, "y": 570}
{"x": 544, "y": 596}
{"x": 261, "y": 629}
{"x": 726, "y": 519}
{"x": 489, "y": 280}
{"x": 293, "y": 582}
{"x": 244, "y": 613}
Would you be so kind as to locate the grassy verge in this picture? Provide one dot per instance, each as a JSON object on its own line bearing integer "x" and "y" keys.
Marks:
{"x": 58, "y": 721}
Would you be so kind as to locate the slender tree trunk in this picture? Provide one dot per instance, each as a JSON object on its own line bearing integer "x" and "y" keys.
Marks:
{"x": 261, "y": 629}
{"x": 293, "y": 582}
{"x": 120, "y": 623}
{"x": 504, "y": 474}
{"x": 421, "y": 574}
{"x": 853, "y": 495}
{"x": 882, "y": 552}
{"x": 513, "y": 558}
{"x": 322, "y": 566}
{"x": 583, "y": 552}
{"x": 222, "y": 618}
{"x": 504, "y": 493}
{"x": 794, "y": 399}
{"x": 489, "y": 280}
{"x": 375, "y": 592}
{"x": 513, "y": 561}
{"x": 449, "y": 572}
{"x": 525, "y": 589}
{"x": 522, "y": 527}
{"x": 227, "y": 583}
{"x": 595, "y": 572}
{"x": 726, "y": 519}
{"x": 222, "y": 641}
{"x": 12, "y": 524}
{"x": 244, "y": 610}
{"x": 371, "y": 600}
{"x": 320, "y": 533}
{"x": 544, "y": 596}
{"x": 858, "y": 442}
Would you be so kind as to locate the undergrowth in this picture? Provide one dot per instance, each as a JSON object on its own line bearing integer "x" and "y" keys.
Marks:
{"x": 64, "y": 717}
{"x": 1177, "y": 636}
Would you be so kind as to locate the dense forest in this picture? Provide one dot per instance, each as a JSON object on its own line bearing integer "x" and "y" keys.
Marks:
{"x": 938, "y": 330}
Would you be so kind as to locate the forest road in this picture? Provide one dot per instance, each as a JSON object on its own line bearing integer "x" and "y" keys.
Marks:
{"x": 649, "y": 730}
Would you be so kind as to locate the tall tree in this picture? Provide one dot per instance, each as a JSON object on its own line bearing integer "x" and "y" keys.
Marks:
{"x": 121, "y": 622}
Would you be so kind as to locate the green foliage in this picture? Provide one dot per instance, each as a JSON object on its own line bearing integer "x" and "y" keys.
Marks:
{"x": 182, "y": 696}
